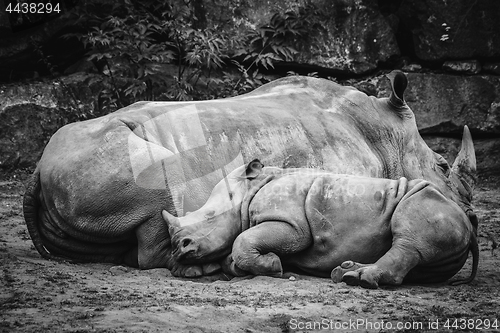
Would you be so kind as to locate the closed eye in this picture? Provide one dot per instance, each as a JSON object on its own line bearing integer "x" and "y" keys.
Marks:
{"x": 442, "y": 164}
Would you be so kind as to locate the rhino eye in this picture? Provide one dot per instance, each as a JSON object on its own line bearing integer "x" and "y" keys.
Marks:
{"x": 442, "y": 163}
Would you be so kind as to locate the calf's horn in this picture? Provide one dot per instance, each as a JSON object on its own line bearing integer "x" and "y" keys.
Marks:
{"x": 463, "y": 170}
{"x": 172, "y": 221}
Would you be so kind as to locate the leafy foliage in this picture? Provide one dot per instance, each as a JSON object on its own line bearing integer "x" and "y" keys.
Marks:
{"x": 151, "y": 50}
{"x": 277, "y": 41}
{"x": 274, "y": 41}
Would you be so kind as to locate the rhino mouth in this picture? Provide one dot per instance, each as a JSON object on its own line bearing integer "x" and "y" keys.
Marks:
{"x": 192, "y": 257}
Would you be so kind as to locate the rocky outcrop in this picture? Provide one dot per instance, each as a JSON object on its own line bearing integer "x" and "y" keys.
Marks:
{"x": 487, "y": 154}
{"x": 343, "y": 37}
{"x": 444, "y": 103}
{"x": 457, "y": 29}
{"x": 356, "y": 38}
{"x": 29, "y": 53}
{"x": 30, "y": 113}
{"x": 359, "y": 35}
{"x": 349, "y": 37}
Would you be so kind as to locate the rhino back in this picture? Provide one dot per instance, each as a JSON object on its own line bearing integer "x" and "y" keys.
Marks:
{"x": 349, "y": 218}
{"x": 282, "y": 199}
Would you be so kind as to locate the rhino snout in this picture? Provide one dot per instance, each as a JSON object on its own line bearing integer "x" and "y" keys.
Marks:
{"x": 187, "y": 247}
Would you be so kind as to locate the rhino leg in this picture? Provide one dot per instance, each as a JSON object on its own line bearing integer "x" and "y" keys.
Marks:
{"x": 428, "y": 230}
{"x": 346, "y": 266}
{"x": 390, "y": 269}
{"x": 256, "y": 250}
{"x": 154, "y": 250}
{"x": 153, "y": 244}
{"x": 229, "y": 267}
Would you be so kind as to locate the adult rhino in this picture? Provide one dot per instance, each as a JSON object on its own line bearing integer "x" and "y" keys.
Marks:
{"x": 101, "y": 184}
{"x": 361, "y": 230}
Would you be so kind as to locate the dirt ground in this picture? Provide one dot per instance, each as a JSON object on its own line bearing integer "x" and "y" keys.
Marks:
{"x": 37, "y": 295}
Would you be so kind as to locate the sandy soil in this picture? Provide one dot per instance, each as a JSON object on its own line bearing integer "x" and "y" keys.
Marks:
{"x": 37, "y": 295}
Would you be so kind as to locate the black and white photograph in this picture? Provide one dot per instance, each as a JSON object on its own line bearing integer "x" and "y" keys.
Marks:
{"x": 249, "y": 166}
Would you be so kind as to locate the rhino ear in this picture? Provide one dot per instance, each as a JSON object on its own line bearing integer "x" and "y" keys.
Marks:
{"x": 253, "y": 169}
{"x": 399, "y": 82}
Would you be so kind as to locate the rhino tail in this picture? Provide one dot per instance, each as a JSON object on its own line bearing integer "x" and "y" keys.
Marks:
{"x": 474, "y": 248}
{"x": 31, "y": 209}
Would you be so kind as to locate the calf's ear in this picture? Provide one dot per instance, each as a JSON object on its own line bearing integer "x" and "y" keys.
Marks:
{"x": 253, "y": 169}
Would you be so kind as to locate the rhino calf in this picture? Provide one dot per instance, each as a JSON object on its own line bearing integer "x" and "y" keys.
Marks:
{"x": 360, "y": 230}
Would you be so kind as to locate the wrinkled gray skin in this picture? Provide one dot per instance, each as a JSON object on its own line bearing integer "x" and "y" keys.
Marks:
{"x": 364, "y": 231}
{"x": 100, "y": 185}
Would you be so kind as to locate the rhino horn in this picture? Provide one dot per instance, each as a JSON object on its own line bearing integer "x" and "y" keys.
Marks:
{"x": 399, "y": 82}
{"x": 172, "y": 221}
{"x": 463, "y": 171}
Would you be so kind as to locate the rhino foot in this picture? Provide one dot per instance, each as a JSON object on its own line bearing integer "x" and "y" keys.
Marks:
{"x": 268, "y": 264}
{"x": 366, "y": 277}
{"x": 211, "y": 268}
{"x": 347, "y": 266}
{"x": 229, "y": 267}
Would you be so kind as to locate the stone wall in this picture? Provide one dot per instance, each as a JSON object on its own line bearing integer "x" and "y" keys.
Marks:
{"x": 31, "y": 112}
{"x": 443, "y": 104}
{"x": 450, "y": 29}
{"x": 354, "y": 37}
{"x": 359, "y": 36}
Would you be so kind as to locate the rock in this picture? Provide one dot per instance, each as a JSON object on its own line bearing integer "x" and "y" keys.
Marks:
{"x": 465, "y": 67}
{"x": 487, "y": 154}
{"x": 357, "y": 38}
{"x": 444, "y": 103}
{"x": 118, "y": 270}
{"x": 458, "y": 29}
{"x": 492, "y": 67}
{"x": 5, "y": 28}
{"x": 354, "y": 36}
{"x": 31, "y": 112}
{"x": 18, "y": 56}
{"x": 412, "y": 68}
{"x": 82, "y": 65}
